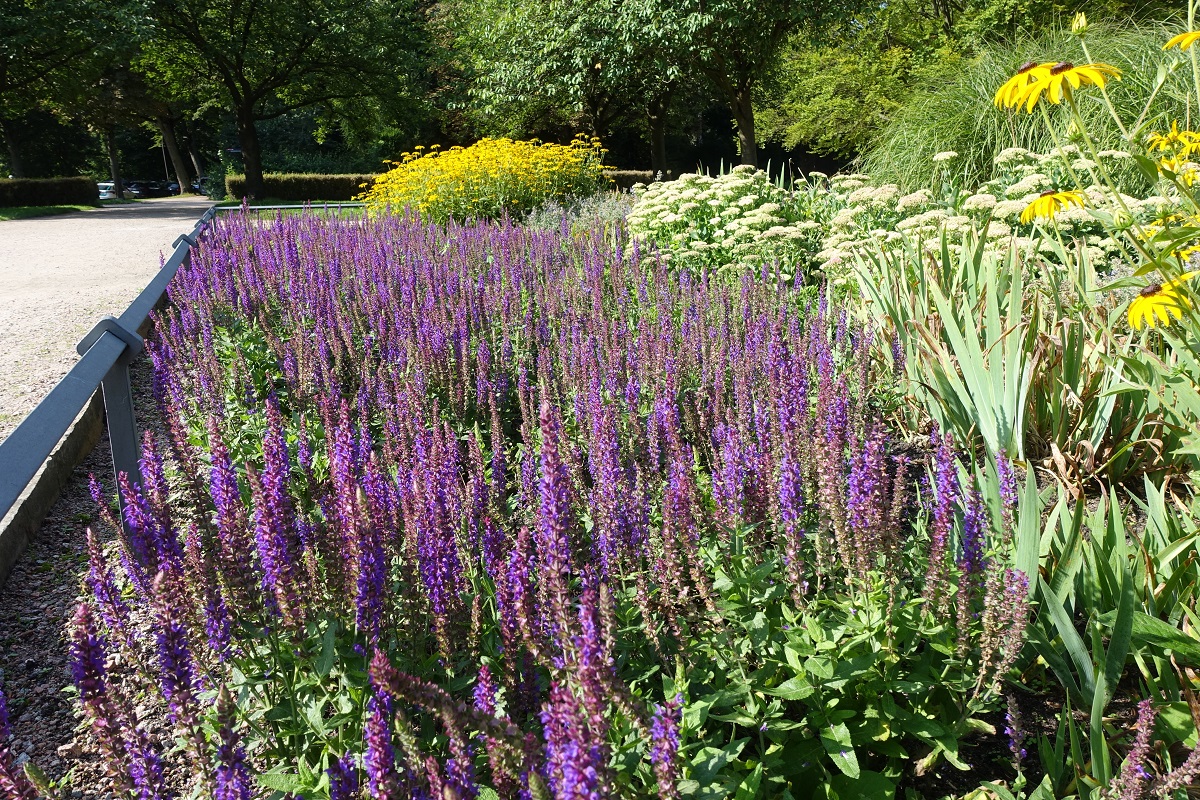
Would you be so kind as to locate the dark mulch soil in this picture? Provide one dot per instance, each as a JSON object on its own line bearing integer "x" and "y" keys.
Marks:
{"x": 36, "y": 606}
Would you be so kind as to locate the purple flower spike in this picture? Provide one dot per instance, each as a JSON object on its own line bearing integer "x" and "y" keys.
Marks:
{"x": 233, "y": 781}
{"x": 485, "y": 692}
{"x": 664, "y": 746}
{"x": 343, "y": 779}
{"x": 380, "y": 759}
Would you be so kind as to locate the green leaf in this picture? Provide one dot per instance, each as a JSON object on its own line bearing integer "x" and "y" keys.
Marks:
{"x": 868, "y": 785}
{"x": 749, "y": 787}
{"x": 710, "y": 760}
{"x": 836, "y": 741}
{"x": 287, "y": 782}
{"x": 792, "y": 689}
{"x": 328, "y": 650}
{"x": 1157, "y": 634}
{"x": 1147, "y": 167}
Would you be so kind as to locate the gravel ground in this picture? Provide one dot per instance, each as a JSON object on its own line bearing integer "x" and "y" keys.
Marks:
{"x": 59, "y": 275}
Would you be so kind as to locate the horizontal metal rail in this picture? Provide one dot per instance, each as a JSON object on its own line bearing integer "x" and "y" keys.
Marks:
{"x": 105, "y": 354}
{"x": 302, "y": 207}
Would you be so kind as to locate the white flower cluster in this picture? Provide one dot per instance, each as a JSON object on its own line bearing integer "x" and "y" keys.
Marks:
{"x": 742, "y": 218}
{"x": 739, "y": 218}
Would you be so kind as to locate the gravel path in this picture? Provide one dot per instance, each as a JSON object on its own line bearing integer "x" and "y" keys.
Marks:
{"x": 60, "y": 274}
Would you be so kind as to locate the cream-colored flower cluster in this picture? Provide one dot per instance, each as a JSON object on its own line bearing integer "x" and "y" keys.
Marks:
{"x": 870, "y": 217}
{"x": 739, "y": 219}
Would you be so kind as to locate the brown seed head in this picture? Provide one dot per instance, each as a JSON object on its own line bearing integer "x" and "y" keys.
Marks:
{"x": 1061, "y": 67}
{"x": 1028, "y": 65}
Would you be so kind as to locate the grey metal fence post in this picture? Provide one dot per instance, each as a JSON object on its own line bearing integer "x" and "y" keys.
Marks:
{"x": 118, "y": 401}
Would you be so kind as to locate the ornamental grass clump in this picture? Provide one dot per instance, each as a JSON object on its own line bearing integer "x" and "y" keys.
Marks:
{"x": 482, "y": 511}
{"x": 490, "y": 179}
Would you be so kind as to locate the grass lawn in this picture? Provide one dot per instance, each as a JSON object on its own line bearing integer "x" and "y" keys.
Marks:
{"x": 29, "y": 212}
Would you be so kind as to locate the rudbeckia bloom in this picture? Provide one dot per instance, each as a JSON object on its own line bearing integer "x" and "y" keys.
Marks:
{"x": 1009, "y": 95}
{"x": 1054, "y": 84}
{"x": 1159, "y": 302}
{"x": 1049, "y": 204}
{"x": 1183, "y": 41}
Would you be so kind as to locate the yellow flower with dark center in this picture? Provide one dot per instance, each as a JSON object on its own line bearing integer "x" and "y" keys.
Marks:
{"x": 1183, "y": 41}
{"x": 1049, "y": 204}
{"x": 1159, "y": 302}
{"x": 1009, "y": 95}
{"x": 1064, "y": 77}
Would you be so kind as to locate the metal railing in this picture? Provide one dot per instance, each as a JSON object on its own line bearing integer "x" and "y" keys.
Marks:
{"x": 105, "y": 354}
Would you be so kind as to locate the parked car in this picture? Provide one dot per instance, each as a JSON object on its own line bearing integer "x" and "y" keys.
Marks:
{"x": 108, "y": 190}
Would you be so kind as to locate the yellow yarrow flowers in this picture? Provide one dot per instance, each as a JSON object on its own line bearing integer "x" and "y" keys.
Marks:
{"x": 1049, "y": 204}
{"x": 1052, "y": 81}
{"x": 1160, "y": 302}
{"x": 490, "y": 178}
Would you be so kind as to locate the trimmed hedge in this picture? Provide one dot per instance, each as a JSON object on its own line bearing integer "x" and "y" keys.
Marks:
{"x": 299, "y": 186}
{"x": 48, "y": 192}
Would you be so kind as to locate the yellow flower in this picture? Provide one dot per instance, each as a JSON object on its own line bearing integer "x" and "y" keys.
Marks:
{"x": 1159, "y": 302}
{"x": 1063, "y": 77}
{"x": 1049, "y": 204}
{"x": 1079, "y": 25}
{"x": 1183, "y": 41}
{"x": 1185, "y": 171}
{"x": 1009, "y": 95}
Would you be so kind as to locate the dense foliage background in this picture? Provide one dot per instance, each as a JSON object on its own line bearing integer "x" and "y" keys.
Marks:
{"x": 181, "y": 89}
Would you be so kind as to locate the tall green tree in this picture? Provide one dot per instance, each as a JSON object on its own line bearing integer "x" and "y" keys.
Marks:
{"x": 732, "y": 43}
{"x": 259, "y": 60}
{"x": 591, "y": 61}
{"x": 43, "y": 44}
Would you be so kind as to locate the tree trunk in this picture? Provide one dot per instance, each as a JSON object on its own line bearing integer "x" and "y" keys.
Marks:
{"x": 182, "y": 177}
{"x": 114, "y": 160}
{"x": 743, "y": 115}
{"x": 194, "y": 154}
{"x": 16, "y": 165}
{"x": 251, "y": 153}
{"x": 658, "y": 134}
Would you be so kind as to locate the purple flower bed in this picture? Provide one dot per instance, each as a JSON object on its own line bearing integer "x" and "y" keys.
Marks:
{"x": 481, "y": 511}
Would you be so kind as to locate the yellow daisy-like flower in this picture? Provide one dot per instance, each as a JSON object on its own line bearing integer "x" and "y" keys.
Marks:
{"x": 1063, "y": 77}
{"x": 1185, "y": 171}
{"x": 1183, "y": 41}
{"x": 1049, "y": 204}
{"x": 1009, "y": 95}
{"x": 1159, "y": 302}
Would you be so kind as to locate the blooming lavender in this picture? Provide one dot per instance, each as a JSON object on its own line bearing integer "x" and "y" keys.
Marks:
{"x": 493, "y": 446}
{"x": 1134, "y": 778}
{"x": 233, "y": 780}
{"x": 664, "y": 748}
{"x": 343, "y": 778}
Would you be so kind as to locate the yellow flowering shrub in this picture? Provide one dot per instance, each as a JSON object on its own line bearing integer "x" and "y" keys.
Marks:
{"x": 488, "y": 179}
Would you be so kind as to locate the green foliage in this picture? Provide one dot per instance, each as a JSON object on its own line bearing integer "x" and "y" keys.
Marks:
{"x": 48, "y": 192}
{"x": 832, "y": 100}
{"x": 283, "y": 186}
